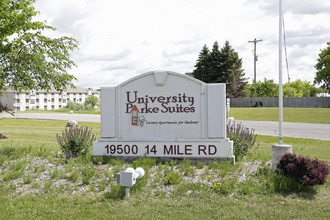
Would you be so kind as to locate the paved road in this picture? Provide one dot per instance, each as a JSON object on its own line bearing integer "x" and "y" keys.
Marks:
{"x": 56, "y": 116}
{"x": 297, "y": 130}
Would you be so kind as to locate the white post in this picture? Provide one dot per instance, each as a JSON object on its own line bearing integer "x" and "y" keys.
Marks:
{"x": 280, "y": 103}
{"x": 278, "y": 150}
{"x": 127, "y": 191}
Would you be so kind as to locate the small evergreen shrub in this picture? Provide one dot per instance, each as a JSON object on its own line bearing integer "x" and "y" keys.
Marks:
{"x": 305, "y": 170}
{"x": 243, "y": 138}
{"x": 75, "y": 141}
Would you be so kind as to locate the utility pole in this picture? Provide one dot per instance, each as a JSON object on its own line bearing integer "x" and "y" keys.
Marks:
{"x": 255, "y": 41}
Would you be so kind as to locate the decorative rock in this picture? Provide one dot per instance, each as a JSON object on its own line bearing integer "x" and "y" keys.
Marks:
{"x": 58, "y": 154}
{"x": 72, "y": 123}
{"x": 71, "y": 112}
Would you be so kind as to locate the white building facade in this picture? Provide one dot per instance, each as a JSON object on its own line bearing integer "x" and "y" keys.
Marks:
{"x": 45, "y": 100}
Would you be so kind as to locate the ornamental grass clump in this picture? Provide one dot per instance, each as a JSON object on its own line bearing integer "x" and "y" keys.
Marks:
{"x": 75, "y": 141}
{"x": 243, "y": 138}
{"x": 304, "y": 170}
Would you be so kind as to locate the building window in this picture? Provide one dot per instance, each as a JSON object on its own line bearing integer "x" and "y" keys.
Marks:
{"x": 37, "y": 100}
{"x": 52, "y": 100}
{"x": 45, "y": 100}
{"x": 33, "y": 101}
{"x": 27, "y": 101}
{"x": 64, "y": 100}
{"x": 80, "y": 99}
{"x": 60, "y": 100}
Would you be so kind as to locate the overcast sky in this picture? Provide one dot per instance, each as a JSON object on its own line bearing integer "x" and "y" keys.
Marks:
{"x": 119, "y": 39}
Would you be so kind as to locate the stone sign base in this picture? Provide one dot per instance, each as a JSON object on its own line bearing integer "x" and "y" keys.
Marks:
{"x": 201, "y": 149}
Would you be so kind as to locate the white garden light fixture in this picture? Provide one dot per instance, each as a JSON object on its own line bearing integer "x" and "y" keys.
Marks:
{"x": 128, "y": 178}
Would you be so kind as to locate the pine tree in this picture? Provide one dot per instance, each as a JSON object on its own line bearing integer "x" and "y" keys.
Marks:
{"x": 215, "y": 72}
{"x": 233, "y": 74}
{"x": 222, "y": 66}
{"x": 202, "y": 64}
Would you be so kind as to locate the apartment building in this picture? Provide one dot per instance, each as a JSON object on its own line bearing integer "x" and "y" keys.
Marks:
{"x": 45, "y": 100}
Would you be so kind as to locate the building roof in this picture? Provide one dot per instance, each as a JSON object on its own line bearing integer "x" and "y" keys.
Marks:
{"x": 78, "y": 89}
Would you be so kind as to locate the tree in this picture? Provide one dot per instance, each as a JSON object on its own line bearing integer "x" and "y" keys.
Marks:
{"x": 202, "y": 64}
{"x": 91, "y": 101}
{"x": 267, "y": 88}
{"x": 233, "y": 74}
{"x": 298, "y": 88}
{"x": 28, "y": 59}
{"x": 323, "y": 69}
{"x": 221, "y": 66}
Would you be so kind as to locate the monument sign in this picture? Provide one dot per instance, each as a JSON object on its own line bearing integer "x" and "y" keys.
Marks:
{"x": 164, "y": 114}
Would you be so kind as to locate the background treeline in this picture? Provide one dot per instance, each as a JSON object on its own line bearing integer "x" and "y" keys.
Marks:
{"x": 223, "y": 65}
{"x": 298, "y": 88}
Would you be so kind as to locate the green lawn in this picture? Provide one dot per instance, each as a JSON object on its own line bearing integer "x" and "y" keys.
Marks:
{"x": 302, "y": 115}
{"x": 63, "y": 110}
{"x": 253, "y": 199}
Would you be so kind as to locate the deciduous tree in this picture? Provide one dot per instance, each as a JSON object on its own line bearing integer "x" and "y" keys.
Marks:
{"x": 299, "y": 88}
{"x": 28, "y": 58}
{"x": 267, "y": 88}
{"x": 323, "y": 69}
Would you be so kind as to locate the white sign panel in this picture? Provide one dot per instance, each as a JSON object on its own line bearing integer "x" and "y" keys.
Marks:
{"x": 152, "y": 112}
{"x": 162, "y": 149}
{"x": 169, "y": 112}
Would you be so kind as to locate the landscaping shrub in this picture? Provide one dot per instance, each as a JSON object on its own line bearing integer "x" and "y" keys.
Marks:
{"x": 171, "y": 178}
{"x": 303, "y": 169}
{"x": 74, "y": 106}
{"x": 75, "y": 141}
{"x": 243, "y": 138}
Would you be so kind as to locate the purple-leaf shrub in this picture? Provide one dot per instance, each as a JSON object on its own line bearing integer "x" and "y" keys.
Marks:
{"x": 303, "y": 169}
